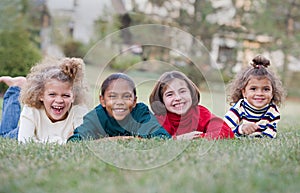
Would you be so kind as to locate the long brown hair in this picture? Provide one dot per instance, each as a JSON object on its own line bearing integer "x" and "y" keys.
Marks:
{"x": 156, "y": 96}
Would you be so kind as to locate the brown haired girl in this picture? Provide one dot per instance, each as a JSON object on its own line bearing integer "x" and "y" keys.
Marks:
{"x": 175, "y": 103}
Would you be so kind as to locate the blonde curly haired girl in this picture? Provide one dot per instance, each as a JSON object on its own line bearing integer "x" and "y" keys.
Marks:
{"x": 54, "y": 102}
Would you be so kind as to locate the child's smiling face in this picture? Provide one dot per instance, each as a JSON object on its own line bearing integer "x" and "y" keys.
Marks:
{"x": 177, "y": 97}
{"x": 57, "y": 99}
{"x": 118, "y": 99}
{"x": 258, "y": 92}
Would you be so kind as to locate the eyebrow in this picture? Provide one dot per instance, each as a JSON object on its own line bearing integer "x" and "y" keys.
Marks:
{"x": 111, "y": 92}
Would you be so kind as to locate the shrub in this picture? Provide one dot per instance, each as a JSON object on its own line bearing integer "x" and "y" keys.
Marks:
{"x": 124, "y": 62}
{"x": 73, "y": 49}
{"x": 17, "y": 54}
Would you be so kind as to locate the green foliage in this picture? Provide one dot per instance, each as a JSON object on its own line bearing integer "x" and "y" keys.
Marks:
{"x": 193, "y": 73}
{"x": 73, "y": 48}
{"x": 19, "y": 37}
{"x": 12, "y": 14}
{"x": 17, "y": 54}
{"x": 124, "y": 62}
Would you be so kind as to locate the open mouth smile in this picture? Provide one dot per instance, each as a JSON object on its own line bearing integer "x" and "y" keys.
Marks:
{"x": 179, "y": 105}
{"x": 57, "y": 109}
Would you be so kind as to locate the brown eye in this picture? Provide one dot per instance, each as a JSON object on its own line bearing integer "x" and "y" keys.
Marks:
{"x": 168, "y": 94}
{"x": 112, "y": 96}
{"x": 127, "y": 96}
{"x": 66, "y": 96}
{"x": 183, "y": 91}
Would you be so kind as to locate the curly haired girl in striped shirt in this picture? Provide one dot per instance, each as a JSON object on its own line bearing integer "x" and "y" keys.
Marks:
{"x": 256, "y": 93}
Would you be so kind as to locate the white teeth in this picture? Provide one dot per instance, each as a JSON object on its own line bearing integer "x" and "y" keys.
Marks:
{"x": 55, "y": 107}
{"x": 178, "y": 105}
{"x": 119, "y": 110}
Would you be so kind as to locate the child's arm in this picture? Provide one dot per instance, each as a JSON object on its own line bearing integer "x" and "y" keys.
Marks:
{"x": 269, "y": 122}
{"x": 271, "y": 127}
{"x": 79, "y": 112}
{"x": 232, "y": 119}
{"x": 148, "y": 126}
{"x": 89, "y": 129}
{"x": 27, "y": 126}
{"x": 271, "y": 130}
{"x": 248, "y": 128}
{"x": 189, "y": 136}
{"x": 151, "y": 128}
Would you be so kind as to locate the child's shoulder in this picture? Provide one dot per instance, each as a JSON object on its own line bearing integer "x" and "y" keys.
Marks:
{"x": 273, "y": 107}
{"x": 27, "y": 110}
{"x": 80, "y": 108}
{"x": 238, "y": 104}
{"x": 32, "y": 112}
{"x": 141, "y": 106}
{"x": 203, "y": 109}
{"x": 141, "y": 109}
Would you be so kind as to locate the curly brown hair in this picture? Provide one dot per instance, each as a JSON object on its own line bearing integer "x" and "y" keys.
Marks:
{"x": 258, "y": 69}
{"x": 66, "y": 70}
{"x": 156, "y": 96}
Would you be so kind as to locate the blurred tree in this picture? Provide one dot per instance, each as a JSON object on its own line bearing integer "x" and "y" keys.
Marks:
{"x": 280, "y": 21}
{"x": 17, "y": 53}
{"x": 240, "y": 18}
{"x": 17, "y": 50}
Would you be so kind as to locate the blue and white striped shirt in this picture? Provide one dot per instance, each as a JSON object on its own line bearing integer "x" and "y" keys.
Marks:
{"x": 242, "y": 112}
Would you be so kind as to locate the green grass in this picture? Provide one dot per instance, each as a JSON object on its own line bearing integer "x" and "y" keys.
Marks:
{"x": 258, "y": 165}
{"x": 246, "y": 165}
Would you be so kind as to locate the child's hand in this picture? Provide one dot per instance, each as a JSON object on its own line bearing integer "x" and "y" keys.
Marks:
{"x": 189, "y": 136}
{"x": 248, "y": 128}
{"x": 119, "y": 138}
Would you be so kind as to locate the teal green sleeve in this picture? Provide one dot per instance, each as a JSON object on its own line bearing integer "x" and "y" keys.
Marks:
{"x": 148, "y": 126}
{"x": 90, "y": 128}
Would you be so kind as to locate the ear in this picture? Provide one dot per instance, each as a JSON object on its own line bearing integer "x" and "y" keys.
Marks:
{"x": 73, "y": 99}
{"x": 134, "y": 102}
{"x": 102, "y": 101}
{"x": 243, "y": 92}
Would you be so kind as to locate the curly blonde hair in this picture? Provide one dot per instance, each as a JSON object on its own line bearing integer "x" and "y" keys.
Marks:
{"x": 69, "y": 70}
{"x": 258, "y": 69}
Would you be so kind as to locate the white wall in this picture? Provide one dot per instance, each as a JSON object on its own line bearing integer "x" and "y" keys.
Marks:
{"x": 84, "y": 13}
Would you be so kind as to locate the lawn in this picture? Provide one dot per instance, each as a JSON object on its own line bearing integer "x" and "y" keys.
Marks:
{"x": 259, "y": 165}
{"x": 246, "y": 165}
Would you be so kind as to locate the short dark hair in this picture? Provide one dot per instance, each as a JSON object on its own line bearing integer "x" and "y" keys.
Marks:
{"x": 117, "y": 76}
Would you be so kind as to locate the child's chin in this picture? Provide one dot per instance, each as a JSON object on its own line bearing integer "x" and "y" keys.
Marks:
{"x": 119, "y": 117}
{"x": 180, "y": 112}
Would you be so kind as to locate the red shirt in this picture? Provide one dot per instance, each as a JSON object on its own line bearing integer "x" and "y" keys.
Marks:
{"x": 198, "y": 118}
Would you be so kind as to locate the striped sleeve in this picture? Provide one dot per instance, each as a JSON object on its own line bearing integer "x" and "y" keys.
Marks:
{"x": 232, "y": 119}
{"x": 272, "y": 117}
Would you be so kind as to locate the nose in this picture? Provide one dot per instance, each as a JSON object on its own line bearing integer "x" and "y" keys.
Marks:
{"x": 259, "y": 92}
{"x": 177, "y": 97}
{"x": 119, "y": 101}
{"x": 59, "y": 99}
